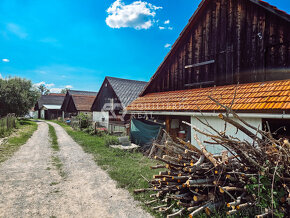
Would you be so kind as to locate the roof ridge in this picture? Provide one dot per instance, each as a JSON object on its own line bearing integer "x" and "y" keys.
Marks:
{"x": 80, "y": 90}
{"x": 223, "y": 86}
{"x": 111, "y": 77}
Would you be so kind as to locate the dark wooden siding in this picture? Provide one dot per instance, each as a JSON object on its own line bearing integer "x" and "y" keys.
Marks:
{"x": 105, "y": 94}
{"x": 247, "y": 42}
{"x": 70, "y": 107}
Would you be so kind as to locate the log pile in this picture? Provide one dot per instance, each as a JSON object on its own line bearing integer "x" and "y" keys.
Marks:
{"x": 247, "y": 176}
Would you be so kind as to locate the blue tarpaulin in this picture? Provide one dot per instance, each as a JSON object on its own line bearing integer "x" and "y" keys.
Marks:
{"x": 144, "y": 132}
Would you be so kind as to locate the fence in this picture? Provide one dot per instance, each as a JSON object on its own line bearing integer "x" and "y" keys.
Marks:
{"x": 118, "y": 129}
{"x": 7, "y": 123}
{"x": 79, "y": 123}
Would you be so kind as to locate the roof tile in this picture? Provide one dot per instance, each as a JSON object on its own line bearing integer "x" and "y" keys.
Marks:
{"x": 254, "y": 96}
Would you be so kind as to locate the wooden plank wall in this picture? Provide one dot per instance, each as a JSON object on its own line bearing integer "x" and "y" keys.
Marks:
{"x": 247, "y": 42}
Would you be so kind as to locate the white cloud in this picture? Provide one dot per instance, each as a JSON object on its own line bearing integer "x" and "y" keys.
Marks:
{"x": 48, "y": 85}
{"x": 40, "y": 83}
{"x": 163, "y": 28}
{"x": 167, "y": 22}
{"x": 16, "y": 30}
{"x": 137, "y": 15}
{"x": 55, "y": 90}
{"x": 1, "y": 77}
{"x": 51, "y": 87}
{"x": 5, "y": 60}
{"x": 167, "y": 45}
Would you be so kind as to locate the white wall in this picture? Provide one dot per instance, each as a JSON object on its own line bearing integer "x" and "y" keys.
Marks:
{"x": 33, "y": 114}
{"x": 219, "y": 125}
{"x": 102, "y": 117}
{"x": 42, "y": 114}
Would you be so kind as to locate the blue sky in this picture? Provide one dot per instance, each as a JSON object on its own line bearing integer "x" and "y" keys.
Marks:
{"x": 76, "y": 43}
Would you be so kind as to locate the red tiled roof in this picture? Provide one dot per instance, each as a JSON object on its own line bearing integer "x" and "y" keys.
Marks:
{"x": 56, "y": 94}
{"x": 83, "y": 102}
{"x": 274, "y": 95}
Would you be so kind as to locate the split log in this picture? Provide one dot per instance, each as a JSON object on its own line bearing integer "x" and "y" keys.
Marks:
{"x": 160, "y": 206}
{"x": 207, "y": 154}
{"x": 158, "y": 167}
{"x": 137, "y": 191}
{"x": 198, "y": 210}
{"x": 176, "y": 214}
{"x": 151, "y": 202}
{"x": 165, "y": 210}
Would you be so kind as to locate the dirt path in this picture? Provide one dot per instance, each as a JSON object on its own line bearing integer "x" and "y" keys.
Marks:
{"x": 31, "y": 185}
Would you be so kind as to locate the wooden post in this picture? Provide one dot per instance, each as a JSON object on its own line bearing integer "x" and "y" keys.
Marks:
{"x": 167, "y": 121}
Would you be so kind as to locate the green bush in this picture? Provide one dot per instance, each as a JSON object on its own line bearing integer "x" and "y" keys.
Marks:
{"x": 83, "y": 120}
{"x": 111, "y": 140}
{"x": 90, "y": 130}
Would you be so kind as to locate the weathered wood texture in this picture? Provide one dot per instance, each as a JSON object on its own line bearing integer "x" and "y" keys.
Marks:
{"x": 106, "y": 99}
{"x": 247, "y": 42}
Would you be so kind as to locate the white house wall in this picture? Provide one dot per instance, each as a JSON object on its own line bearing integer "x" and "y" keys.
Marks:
{"x": 220, "y": 125}
{"x": 101, "y": 117}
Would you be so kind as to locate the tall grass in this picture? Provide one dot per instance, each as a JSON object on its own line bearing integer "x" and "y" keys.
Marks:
{"x": 26, "y": 129}
{"x": 7, "y": 124}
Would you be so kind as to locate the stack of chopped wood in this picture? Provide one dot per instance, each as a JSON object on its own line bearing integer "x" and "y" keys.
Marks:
{"x": 246, "y": 176}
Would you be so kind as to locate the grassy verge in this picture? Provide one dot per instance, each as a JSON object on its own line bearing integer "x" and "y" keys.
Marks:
{"x": 58, "y": 164}
{"x": 53, "y": 137}
{"x": 23, "y": 133}
{"x": 56, "y": 161}
{"x": 127, "y": 168}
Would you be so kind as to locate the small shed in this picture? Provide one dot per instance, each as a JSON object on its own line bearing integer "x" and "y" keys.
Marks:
{"x": 77, "y": 101}
{"x": 49, "y": 106}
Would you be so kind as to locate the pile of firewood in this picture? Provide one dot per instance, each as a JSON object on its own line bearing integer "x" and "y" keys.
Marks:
{"x": 247, "y": 176}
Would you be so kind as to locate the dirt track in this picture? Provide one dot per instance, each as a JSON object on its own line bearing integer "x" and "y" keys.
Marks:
{"x": 32, "y": 186}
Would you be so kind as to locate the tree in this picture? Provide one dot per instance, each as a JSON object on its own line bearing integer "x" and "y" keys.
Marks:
{"x": 63, "y": 91}
{"x": 43, "y": 90}
{"x": 17, "y": 95}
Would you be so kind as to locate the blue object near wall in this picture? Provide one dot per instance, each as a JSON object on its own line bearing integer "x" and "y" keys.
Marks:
{"x": 144, "y": 132}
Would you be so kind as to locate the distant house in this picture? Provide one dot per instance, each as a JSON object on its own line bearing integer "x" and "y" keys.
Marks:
{"x": 49, "y": 106}
{"x": 76, "y": 102}
{"x": 114, "y": 96}
{"x": 236, "y": 51}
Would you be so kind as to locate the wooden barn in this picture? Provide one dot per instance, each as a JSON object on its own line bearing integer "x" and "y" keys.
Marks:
{"x": 77, "y": 101}
{"x": 113, "y": 97}
{"x": 49, "y": 106}
{"x": 236, "y": 51}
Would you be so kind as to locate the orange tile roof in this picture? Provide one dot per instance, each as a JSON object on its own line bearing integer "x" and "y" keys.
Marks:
{"x": 273, "y": 95}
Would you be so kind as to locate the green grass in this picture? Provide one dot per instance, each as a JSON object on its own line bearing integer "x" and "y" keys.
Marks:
{"x": 58, "y": 164}
{"x": 23, "y": 133}
{"x": 56, "y": 161}
{"x": 53, "y": 137}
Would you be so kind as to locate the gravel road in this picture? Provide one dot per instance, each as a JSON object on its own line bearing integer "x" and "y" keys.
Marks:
{"x": 31, "y": 185}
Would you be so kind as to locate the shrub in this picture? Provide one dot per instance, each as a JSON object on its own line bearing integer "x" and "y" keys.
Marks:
{"x": 83, "y": 120}
{"x": 90, "y": 130}
{"x": 111, "y": 140}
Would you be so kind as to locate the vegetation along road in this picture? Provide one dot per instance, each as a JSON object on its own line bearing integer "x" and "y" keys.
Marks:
{"x": 55, "y": 178}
